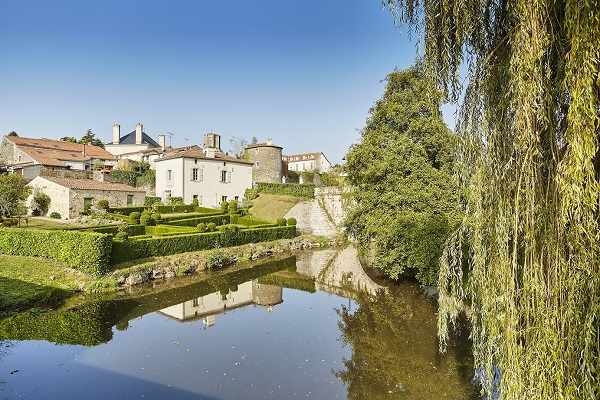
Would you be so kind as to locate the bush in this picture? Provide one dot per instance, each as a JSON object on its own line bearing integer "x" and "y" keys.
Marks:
{"x": 211, "y": 227}
{"x": 163, "y": 246}
{"x": 102, "y": 204}
{"x": 146, "y": 218}
{"x": 218, "y": 259}
{"x": 234, "y": 218}
{"x": 289, "y": 189}
{"x": 55, "y": 215}
{"x": 151, "y": 201}
{"x": 224, "y": 206}
{"x": 281, "y": 222}
{"x": 40, "y": 203}
{"x": 195, "y": 202}
{"x": 216, "y": 219}
{"x": 121, "y": 236}
{"x": 176, "y": 201}
{"x": 156, "y": 217}
{"x": 86, "y": 251}
{"x": 292, "y": 222}
{"x": 10, "y": 222}
{"x": 229, "y": 228}
{"x": 201, "y": 227}
{"x": 134, "y": 217}
{"x": 125, "y": 210}
{"x": 232, "y": 206}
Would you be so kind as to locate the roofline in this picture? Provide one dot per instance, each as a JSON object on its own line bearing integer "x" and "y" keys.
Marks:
{"x": 304, "y": 154}
{"x": 49, "y": 179}
{"x": 249, "y": 163}
{"x": 253, "y": 146}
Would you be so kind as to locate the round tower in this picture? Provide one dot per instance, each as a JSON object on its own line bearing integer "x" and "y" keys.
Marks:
{"x": 267, "y": 159}
{"x": 266, "y": 295}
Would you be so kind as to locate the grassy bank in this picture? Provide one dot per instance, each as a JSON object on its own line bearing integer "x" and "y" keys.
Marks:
{"x": 269, "y": 207}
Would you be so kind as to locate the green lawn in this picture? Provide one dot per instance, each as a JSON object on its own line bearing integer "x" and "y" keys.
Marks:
{"x": 269, "y": 207}
{"x": 42, "y": 223}
{"x": 27, "y": 282}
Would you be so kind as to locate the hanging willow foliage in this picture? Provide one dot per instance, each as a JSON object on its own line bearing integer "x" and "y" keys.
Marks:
{"x": 530, "y": 169}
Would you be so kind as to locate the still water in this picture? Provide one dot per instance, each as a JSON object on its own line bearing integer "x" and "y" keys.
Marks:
{"x": 314, "y": 326}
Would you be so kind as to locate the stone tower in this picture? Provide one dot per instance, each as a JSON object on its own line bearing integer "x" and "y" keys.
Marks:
{"x": 266, "y": 295}
{"x": 267, "y": 159}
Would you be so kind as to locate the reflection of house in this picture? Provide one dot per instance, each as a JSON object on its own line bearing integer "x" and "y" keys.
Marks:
{"x": 137, "y": 145}
{"x": 206, "y": 174}
{"x": 208, "y": 306}
{"x": 69, "y": 197}
{"x": 30, "y": 157}
{"x": 307, "y": 162}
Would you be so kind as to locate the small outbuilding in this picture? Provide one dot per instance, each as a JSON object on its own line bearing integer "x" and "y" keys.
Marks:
{"x": 70, "y": 197}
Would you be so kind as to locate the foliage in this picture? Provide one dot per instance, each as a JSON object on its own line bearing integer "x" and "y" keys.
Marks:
{"x": 289, "y": 189}
{"x": 530, "y": 165}
{"x": 123, "y": 176}
{"x": 55, "y": 215}
{"x": 102, "y": 204}
{"x": 211, "y": 227}
{"x": 233, "y": 207}
{"x": 40, "y": 203}
{"x": 86, "y": 251}
{"x": 401, "y": 175}
{"x": 156, "y": 217}
{"x": 218, "y": 259}
{"x": 224, "y": 206}
{"x": 90, "y": 138}
{"x": 176, "y": 201}
{"x": 308, "y": 177}
{"x": 147, "y": 178}
{"x": 292, "y": 221}
{"x": 195, "y": 202}
{"x": 167, "y": 245}
{"x": 151, "y": 201}
{"x": 13, "y": 193}
{"x": 217, "y": 219}
{"x": 251, "y": 194}
{"x": 146, "y": 218}
{"x": 330, "y": 179}
{"x": 134, "y": 217}
{"x": 201, "y": 227}
{"x": 281, "y": 221}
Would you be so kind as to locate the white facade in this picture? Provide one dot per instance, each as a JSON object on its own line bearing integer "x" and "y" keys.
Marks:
{"x": 309, "y": 162}
{"x": 208, "y": 180}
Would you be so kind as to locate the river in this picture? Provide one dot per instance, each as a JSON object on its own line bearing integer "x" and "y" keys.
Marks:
{"x": 312, "y": 326}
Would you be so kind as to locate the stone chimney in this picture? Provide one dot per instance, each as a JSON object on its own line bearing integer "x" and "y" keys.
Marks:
{"x": 116, "y": 133}
{"x": 162, "y": 141}
{"x": 212, "y": 141}
{"x": 139, "y": 128}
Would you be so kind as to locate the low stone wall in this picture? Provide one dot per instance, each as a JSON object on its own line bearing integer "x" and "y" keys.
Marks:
{"x": 331, "y": 199}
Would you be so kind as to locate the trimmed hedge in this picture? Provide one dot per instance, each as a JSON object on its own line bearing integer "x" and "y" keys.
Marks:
{"x": 133, "y": 249}
{"x": 132, "y": 230}
{"x": 149, "y": 200}
{"x": 86, "y": 251}
{"x": 126, "y": 210}
{"x": 250, "y": 220}
{"x": 162, "y": 230}
{"x": 217, "y": 219}
{"x": 176, "y": 217}
{"x": 289, "y": 189}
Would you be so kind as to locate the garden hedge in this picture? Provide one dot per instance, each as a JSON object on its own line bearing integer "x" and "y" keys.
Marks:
{"x": 217, "y": 219}
{"x": 289, "y": 189}
{"x": 161, "y": 230}
{"x": 133, "y": 249}
{"x": 86, "y": 251}
{"x": 132, "y": 230}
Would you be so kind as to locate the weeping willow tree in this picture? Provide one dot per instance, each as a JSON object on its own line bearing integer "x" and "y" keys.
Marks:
{"x": 530, "y": 169}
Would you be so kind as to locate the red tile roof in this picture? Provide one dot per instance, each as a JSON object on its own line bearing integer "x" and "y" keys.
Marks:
{"x": 55, "y": 152}
{"x": 198, "y": 153}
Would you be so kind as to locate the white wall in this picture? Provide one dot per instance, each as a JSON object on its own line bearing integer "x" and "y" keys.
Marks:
{"x": 59, "y": 196}
{"x": 118, "y": 149}
{"x": 208, "y": 187}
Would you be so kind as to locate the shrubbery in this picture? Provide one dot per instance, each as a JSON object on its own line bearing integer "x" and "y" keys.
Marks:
{"x": 86, "y": 251}
{"x": 201, "y": 227}
{"x": 151, "y": 201}
{"x": 224, "y": 206}
{"x": 292, "y": 222}
{"x": 281, "y": 221}
{"x": 55, "y": 215}
{"x": 102, "y": 204}
{"x": 232, "y": 206}
{"x": 40, "y": 203}
{"x": 216, "y": 219}
{"x": 134, "y": 217}
{"x": 176, "y": 201}
{"x": 146, "y": 218}
{"x": 289, "y": 189}
{"x": 218, "y": 259}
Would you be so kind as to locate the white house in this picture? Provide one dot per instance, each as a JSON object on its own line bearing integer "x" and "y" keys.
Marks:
{"x": 307, "y": 162}
{"x": 205, "y": 174}
{"x": 137, "y": 145}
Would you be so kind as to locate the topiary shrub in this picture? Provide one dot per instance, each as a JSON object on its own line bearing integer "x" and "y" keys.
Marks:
{"x": 176, "y": 201}
{"x": 146, "y": 218}
{"x": 232, "y": 206}
{"x": 281, "y": 221}
{"x": 40, "y": 203}
{"x": 156, "y": 206}
{"x": 195, "y": 202}
{"x": 122, "y": 232}
{"x": 211, "y": 227}
{"x": 224, "y": 206}
{"x": 102, "y": 204}
{"x": 234, "y": 218}
{"x": 156, "y": 217}
{"x": 151, "y": 201}
{"x": 134, "y": 218}
{"x": 201, "y": 227}
{"x": 292, "y": 222}
{"x": 55, "y": 215}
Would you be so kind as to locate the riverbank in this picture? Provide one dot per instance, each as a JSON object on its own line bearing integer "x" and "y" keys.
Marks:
{"x": 27, "y": 282}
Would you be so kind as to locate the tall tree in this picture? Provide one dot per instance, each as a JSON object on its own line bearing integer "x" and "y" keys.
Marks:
{"x": 90, "y": 138}
{"x": 69, "y": 139}
{"x": 404, "y": 200}
{"x": 13, "y": 193}
{"x": 530, "y": 163}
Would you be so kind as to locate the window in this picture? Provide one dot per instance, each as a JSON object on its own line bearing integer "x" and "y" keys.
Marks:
{"x": 169, "y": 175}
{"x": 236, "y": 198}
{"x": 195, "y": 303}
{"x": 223, "y": 198}
{"x": 129, "y": 200}
{"x": 257, "y": 163}
{"x": 194, "y": 174}
{"x": 223, "y": 176}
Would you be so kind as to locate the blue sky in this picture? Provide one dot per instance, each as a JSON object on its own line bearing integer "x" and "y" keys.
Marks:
{"x": 303, "y": 72}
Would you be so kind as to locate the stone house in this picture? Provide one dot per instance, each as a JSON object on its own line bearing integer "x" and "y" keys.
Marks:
{"x": 307, "y": 162}
{"x": 29, "y": 157}
{"x": 70, "y": 197}
{"x": 206, "y": 174}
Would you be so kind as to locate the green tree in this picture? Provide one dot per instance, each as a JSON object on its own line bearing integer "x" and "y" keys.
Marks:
{"x": 13, "y": 193}
{"x": 90, "y": 138}
{"x": 530, "y": 167}
{"x": 69, "y": 139}
{"x": 404, "y": 198}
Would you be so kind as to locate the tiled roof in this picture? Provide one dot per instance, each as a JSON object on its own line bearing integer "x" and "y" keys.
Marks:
{"x": 251, "y": 146}
{"x": 91, "y": 184}
{"x": 130, "y": 139}
{"x": 198, "y": 153}
{"x": 55, "y": 152}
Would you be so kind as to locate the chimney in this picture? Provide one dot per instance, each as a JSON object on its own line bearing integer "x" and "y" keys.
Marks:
{"x": 83, "y": 152}
{"x": 212, "y": 141}
{"x": 269, "y": 141}
{"x": 116, "y": 133}
{"x": 162, "y": 141}
{"x": 139, "y": 128}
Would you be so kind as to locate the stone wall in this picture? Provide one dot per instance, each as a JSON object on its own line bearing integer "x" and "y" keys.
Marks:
{"x": 115, "y": 199}
{"x": 330, "y": 198}
{"x": 268, "y": 164}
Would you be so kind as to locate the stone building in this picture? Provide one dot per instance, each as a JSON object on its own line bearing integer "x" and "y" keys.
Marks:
{"x": 307, "y": 162}
{"x": 70, "y": 197}
{"x": 267, "y": 160}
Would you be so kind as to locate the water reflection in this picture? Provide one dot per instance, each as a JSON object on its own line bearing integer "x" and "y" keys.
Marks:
{"x": 274, "y": 333}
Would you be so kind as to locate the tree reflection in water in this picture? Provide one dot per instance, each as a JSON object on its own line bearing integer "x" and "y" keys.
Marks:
{"x": 395, "y": 349}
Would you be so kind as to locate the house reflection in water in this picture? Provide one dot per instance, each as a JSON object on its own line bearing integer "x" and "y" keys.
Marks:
{"x": 207, "y": 307}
